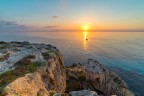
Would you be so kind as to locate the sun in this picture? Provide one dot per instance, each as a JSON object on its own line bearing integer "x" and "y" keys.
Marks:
{"x": 86, "y": 27}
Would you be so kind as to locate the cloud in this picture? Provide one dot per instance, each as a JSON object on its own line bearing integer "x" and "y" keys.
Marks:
{"x": 52, "y": 26}
{"x": 13, "y": 26}
{"x": 54, "y": 17}
{"x": 9, "y": 24}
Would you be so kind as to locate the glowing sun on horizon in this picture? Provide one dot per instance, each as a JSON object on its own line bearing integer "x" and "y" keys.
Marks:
{"x": 85, "y": 27}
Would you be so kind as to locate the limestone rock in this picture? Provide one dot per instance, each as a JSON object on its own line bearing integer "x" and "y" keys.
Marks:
{"x": 106, "y": 81}
{"x": 30, "y": 85}
{"x": 49, "y": 76}
{"x": 95, "y": 77}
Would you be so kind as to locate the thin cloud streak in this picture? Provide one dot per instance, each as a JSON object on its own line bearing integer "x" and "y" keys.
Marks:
{"x": 52, "y": 26}
{"x": 54, "y": 17}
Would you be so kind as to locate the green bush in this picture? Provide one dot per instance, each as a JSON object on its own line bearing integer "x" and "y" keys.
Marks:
{"x": 82, "y": 77}
{"x": 4, "y": 46}
{"x": 41, "y": 94}
{"x": 9, "y": 76}
{"x": 2, "y": 91}
{"x": 1, "y": 59}
{"x": 17, "y": 94}
{"x": 46, "y": 55}
{"x": 52, "y": 92}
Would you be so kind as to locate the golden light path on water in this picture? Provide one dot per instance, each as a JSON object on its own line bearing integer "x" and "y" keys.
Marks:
{"x": 85, "y": 35}
{"x": 85, "y": 28}
{"x": 85, "y": 41}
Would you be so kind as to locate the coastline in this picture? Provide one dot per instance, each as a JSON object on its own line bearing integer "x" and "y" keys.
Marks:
{"x": 53, "y": 67}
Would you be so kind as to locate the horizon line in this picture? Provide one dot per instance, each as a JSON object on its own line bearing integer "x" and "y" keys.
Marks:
{"x": 94, "y": 30}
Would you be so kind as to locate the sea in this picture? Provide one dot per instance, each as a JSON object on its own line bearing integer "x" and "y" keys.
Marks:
{"x": 122, "y": 52}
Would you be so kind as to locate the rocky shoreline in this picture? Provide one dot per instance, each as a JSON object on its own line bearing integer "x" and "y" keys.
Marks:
{"x": 38, "y": 70}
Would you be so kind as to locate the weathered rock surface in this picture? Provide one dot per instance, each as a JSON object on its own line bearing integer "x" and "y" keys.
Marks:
{"x": 104, "y": 80}
{"x": 50, "y": 76}
{"x": 29, "y": 85}
{"x": 95, "y": 77}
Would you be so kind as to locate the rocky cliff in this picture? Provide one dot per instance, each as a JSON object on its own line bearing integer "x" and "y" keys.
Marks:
{"x": 106, "y": 81}
{"x": 34, "y": 80}
{"x": 95, "y": 77}
{"x": 38, "y": 70}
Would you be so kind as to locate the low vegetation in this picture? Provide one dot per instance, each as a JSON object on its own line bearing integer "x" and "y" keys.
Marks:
{"x": 82, "y": 77}
{"x": 46, "y": 55}
{"x": 10, "y": 76}
{"x": 6, "y": 56}
{"x": 52, "y": 92}
{"x": 75, "y": 79}
{"x": 1, "y": 59}
{"x": 41, "y": 93}
{"x": 4, "y": 46}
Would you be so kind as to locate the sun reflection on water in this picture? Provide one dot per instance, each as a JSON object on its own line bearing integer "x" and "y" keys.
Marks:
{"x": 85, "y": 40}
{"x": 85, "y": 35}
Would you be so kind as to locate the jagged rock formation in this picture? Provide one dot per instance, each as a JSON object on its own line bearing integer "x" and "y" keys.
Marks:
{"x": 18, "y": 52}
{"x": 104, "y": 80}
{"x": 50, "y": 76}
{"x": 14, "y": 58}
{"x": 94, "y": 76}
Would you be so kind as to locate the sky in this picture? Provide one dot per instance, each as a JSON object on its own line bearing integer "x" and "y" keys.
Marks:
{"x": 45, "y": 15}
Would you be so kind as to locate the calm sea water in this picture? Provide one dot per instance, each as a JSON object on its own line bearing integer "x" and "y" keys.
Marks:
{"x": 122, "y": 52}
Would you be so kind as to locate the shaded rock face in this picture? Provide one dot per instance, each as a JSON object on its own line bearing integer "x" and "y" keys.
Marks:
{"x": 76, "y": 81}
{"x": 94, "y": 76}
{"x": 75, "y": 78}
{"x": 53, "y": 75}
{"x": 104, "y": 80}
{"x": 49, "y": 76}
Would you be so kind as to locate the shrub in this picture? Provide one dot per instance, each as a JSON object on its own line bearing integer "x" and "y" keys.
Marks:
{"x": 2, "y": 91}
{"x": 4, "y": 46}
{"x": 82, "y": 77}
{"x": 1, "y": 59}
{"x": 52, "y": 92}
{"x": 46, "y": 55}
{"x": 72, "y": 85}
{"x": 17, "y": 94}
{"x": 41, "y": 94}
{"x": 9, "y": 76}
